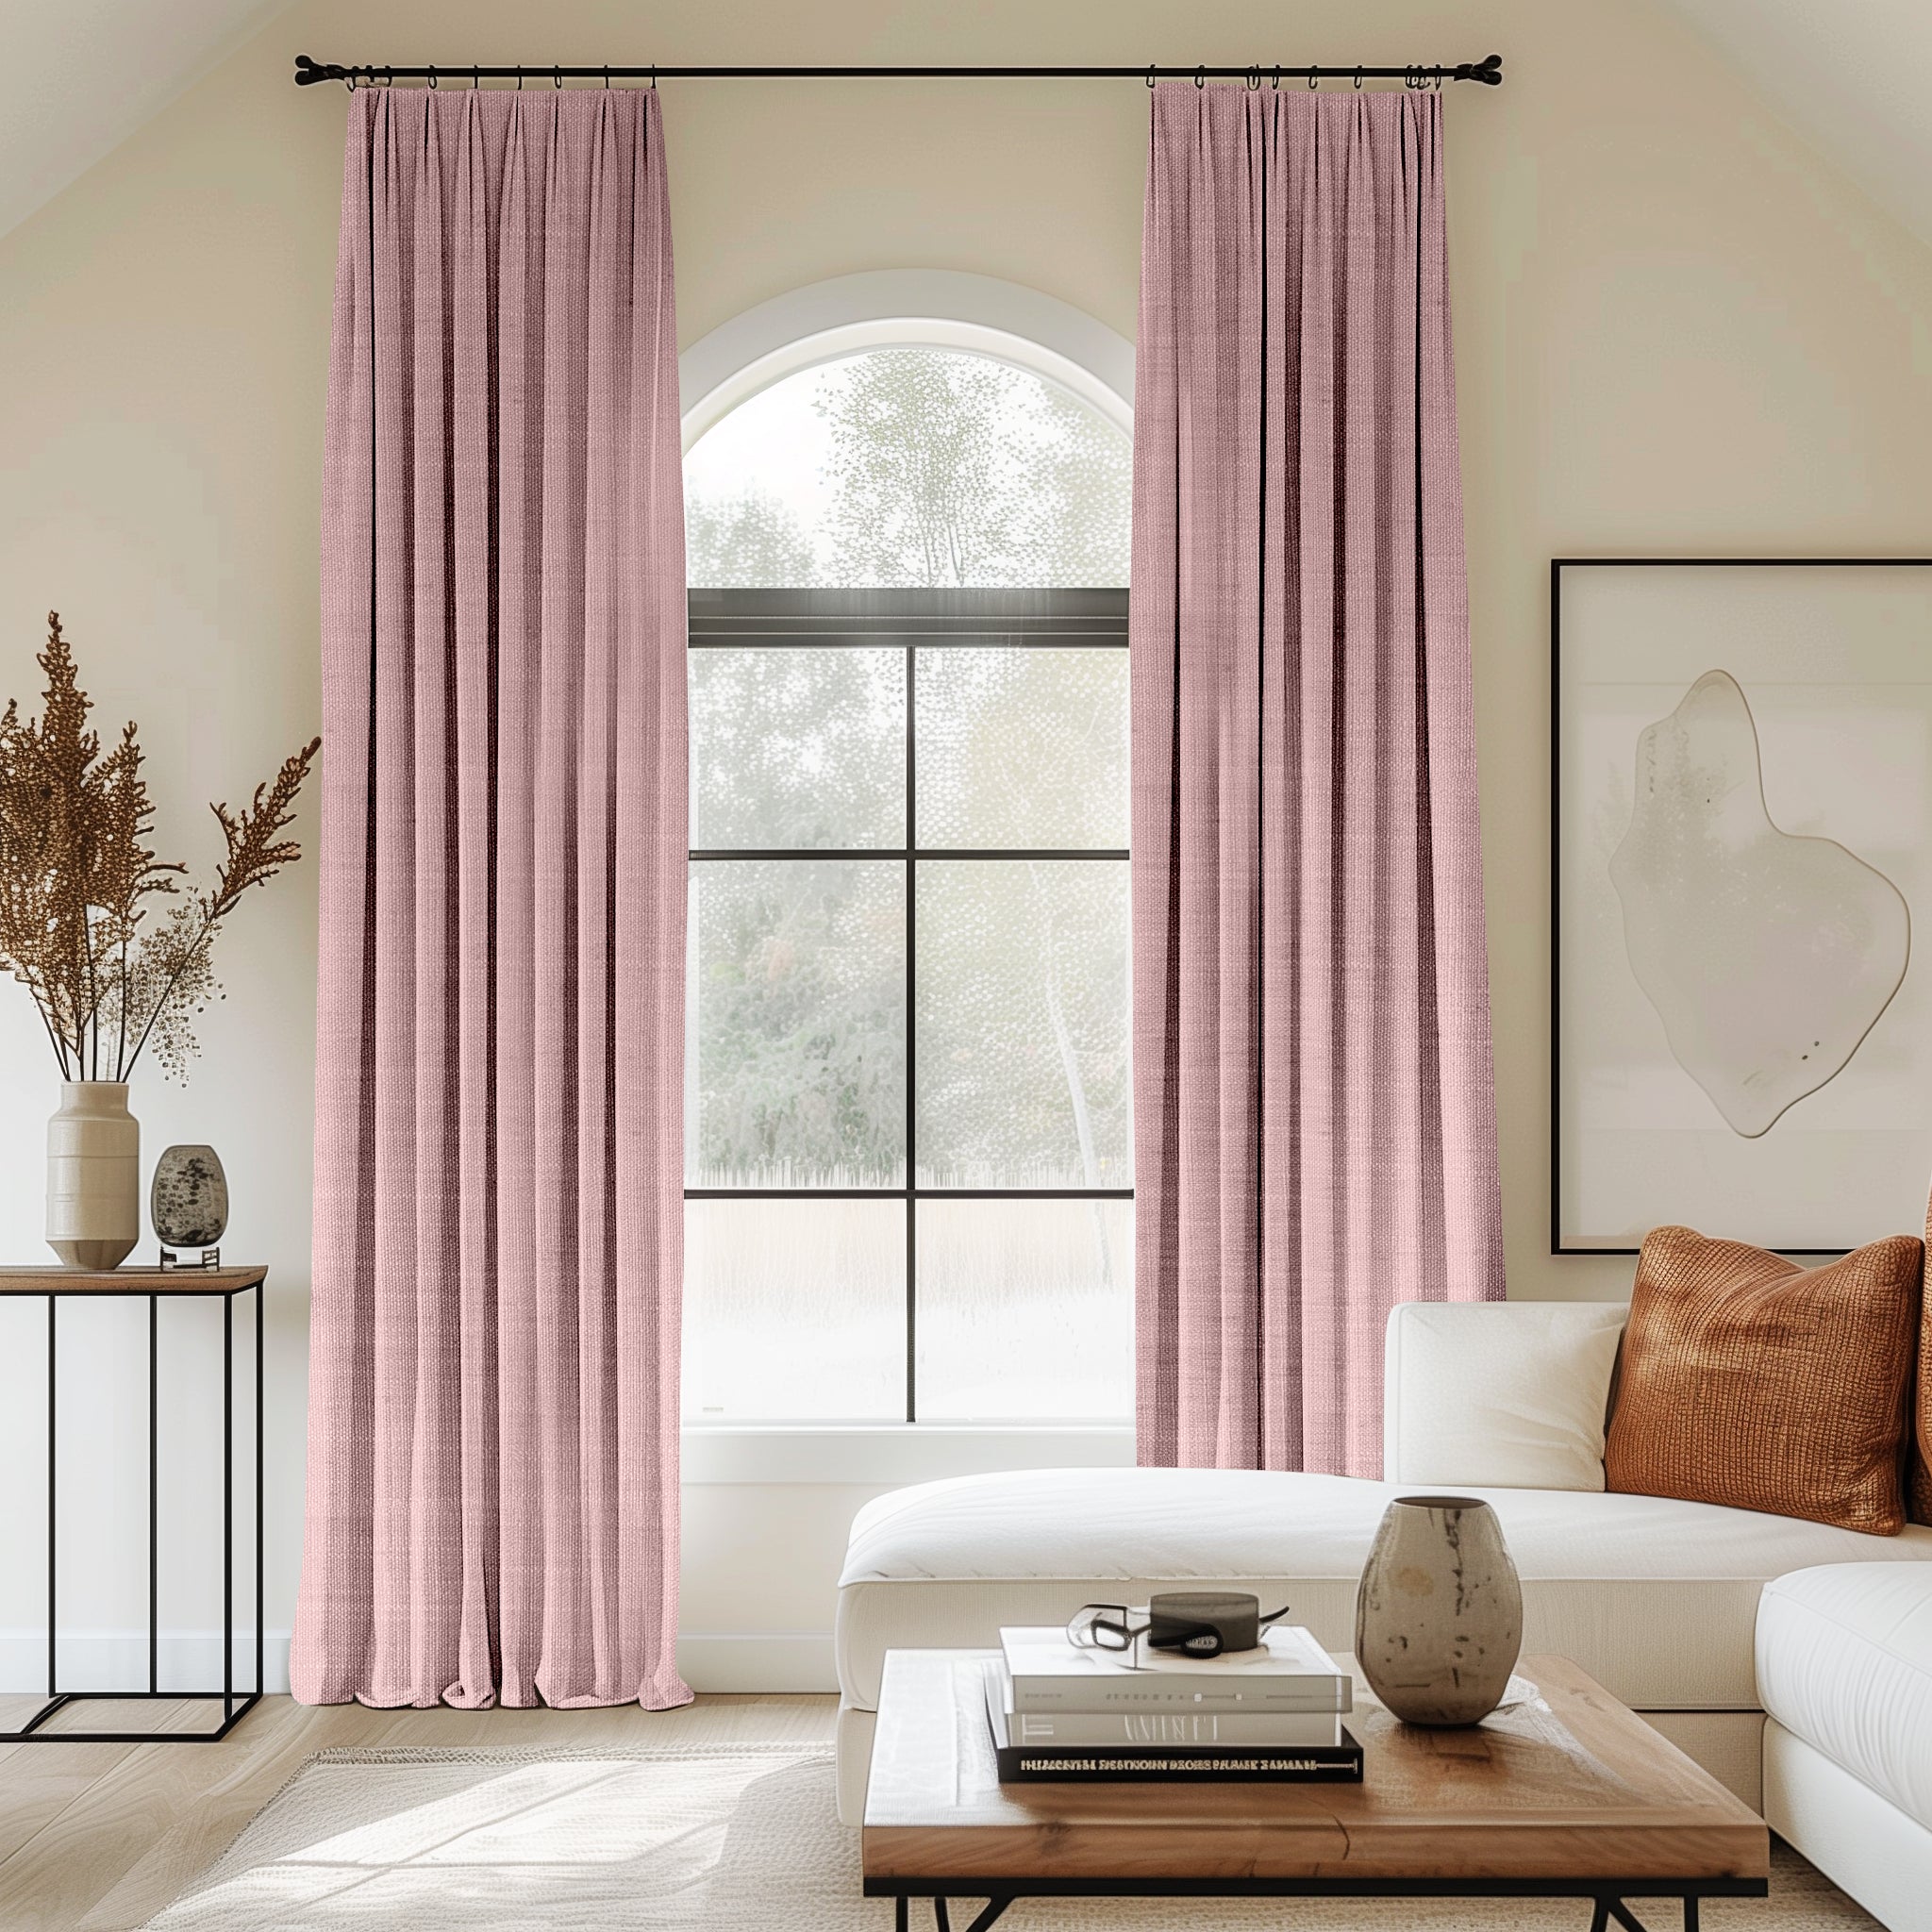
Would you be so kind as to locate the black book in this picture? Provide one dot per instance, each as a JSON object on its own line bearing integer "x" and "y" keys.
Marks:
{"x": 1303, "y": 1764}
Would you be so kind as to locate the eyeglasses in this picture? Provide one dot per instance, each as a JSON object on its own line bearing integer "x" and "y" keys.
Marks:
{"x": 1110, "y": 1628}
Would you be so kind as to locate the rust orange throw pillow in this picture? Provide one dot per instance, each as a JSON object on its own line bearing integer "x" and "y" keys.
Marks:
{"x": 1919, "y": 1460}
{"x": 1750, "y": 1381}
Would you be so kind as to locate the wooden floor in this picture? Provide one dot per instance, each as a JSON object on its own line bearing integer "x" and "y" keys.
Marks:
{"x": 97, "y": 1837}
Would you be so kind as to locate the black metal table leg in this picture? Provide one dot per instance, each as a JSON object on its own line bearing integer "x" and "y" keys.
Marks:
{"x": 154, "y": 1496}
{"x": 260, "y": 1640}
{"x": 53, "y": 1594}
{"x": 228, "y": 1509}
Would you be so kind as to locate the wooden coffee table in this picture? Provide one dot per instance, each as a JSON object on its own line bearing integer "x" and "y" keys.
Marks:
{"x": 1568, "y": 1795}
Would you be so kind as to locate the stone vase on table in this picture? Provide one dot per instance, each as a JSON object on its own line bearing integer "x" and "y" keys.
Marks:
{"x": 93, "y": 1176}
{"x": 1439, "y": 1617}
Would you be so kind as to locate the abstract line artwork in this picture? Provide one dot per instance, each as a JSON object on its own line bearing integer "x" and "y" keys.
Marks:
{"x": 1743, "y": 834}
{"x": 1768, "y": 957}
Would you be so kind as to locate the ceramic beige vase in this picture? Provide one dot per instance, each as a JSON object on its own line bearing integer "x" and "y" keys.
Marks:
{"x": 1439, "y": 1617}
{"x": 93, "y": 1176}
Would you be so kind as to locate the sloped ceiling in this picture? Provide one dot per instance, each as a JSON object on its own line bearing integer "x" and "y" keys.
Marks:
{"x": 1853, "y": 76}
{"x": 78, "y": 77}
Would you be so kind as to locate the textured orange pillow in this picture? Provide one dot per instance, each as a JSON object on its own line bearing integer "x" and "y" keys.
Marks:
{"x": 1750, "y": 1381}
{"x": 1919, "y": 1458}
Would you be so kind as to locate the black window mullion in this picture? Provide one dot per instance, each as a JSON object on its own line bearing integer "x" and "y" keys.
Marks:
{"x": 813, "y": 619}
{"x": 911, "y": 1037}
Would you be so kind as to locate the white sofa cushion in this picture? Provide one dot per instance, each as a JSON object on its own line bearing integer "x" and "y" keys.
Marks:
{"x": 1654, "y": 1598}
{"x": 1509, "y": 1394}
{"x": 1845, "y": 1661}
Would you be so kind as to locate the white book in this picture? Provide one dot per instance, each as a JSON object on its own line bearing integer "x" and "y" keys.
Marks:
{"x": 1242, "y": 1727}
{"x": 1287, "y": 1672}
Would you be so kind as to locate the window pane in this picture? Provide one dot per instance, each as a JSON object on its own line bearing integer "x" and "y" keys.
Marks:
{"x": 913, "y": 466}
{"x": 797, "y": 747}
{"x": 795, "y": 1310}
{"x": 798, "y": 980}
{"x": 1023, "y": 747}
{"x": 1022, "y": 1024}
{"x": 1025, "y": 1309}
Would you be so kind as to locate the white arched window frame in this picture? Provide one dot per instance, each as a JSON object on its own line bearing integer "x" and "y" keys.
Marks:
{"x": 798, "y": 330}
{"x": 897, "y": 309}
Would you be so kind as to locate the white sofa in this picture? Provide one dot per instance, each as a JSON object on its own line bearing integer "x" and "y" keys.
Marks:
{"x": 1659, "y": 1599}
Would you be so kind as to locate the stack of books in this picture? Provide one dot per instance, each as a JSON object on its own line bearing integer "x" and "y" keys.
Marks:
{"x": 1273, "y": 1713}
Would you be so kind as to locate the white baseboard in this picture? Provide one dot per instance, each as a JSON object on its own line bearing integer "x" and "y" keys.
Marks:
{"x": 794, "y": 1661}
{"x": 117, "y": 1659}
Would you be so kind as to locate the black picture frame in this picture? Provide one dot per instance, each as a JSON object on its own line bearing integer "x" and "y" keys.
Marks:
{"x": 1557, "y": 566}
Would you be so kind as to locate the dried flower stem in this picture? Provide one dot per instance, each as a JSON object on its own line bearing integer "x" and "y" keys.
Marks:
{"x": 77, "y": 876}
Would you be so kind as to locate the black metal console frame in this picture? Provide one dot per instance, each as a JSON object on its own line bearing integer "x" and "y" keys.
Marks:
{"x": 236, "y": 1704}
{"x": 1607, "y": 1896}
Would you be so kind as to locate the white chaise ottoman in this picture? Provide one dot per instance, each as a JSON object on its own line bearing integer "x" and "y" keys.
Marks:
{"x": 1845, "y": 1667}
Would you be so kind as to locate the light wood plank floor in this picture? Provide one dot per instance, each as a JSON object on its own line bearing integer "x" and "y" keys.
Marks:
{"x": 97, "y": 1837}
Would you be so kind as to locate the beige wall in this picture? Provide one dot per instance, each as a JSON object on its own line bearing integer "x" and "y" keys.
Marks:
{"x": 1679, "y": 329}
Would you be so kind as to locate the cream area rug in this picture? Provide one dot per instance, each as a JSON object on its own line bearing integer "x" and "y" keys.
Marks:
{"x": 716, "y": 1839}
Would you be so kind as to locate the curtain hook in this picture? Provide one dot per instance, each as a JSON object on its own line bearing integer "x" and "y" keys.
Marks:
{"x": 1277, "y": 79}
{"x": 1357, "y": 81}
{"x": 1254, "y": 78}
{"x": 476, "y": 78}
{"x": 557, "y": 78}
{"x": 1150, "y": 76}
{"x": 1200, "y": 78}
{"x": 349, "y": 77}
{"x": 654, "y": 76}
{"x": 607, "y": 80}
{"x": 432, "y": 80}
{"x": 389, "y": 76}
{"x": 520, "y": 80}
{"x": 1314, "y": 77}
{"x": 1439, "y": 80}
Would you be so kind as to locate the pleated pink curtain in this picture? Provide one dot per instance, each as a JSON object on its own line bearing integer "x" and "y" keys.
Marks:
{"x": 492, "y": 1469}
{"x": 1314, "y": 1116}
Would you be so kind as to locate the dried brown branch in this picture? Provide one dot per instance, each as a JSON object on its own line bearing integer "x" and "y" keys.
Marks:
{"x": 77, "y": 877}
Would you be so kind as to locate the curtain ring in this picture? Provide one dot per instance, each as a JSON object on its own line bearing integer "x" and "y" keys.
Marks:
{"x": 349, "y": 77}
{"x": 1357, "y": 81}
{"x": 1277, "y": 80}
{"x": 432, "y": 80}
{"x": 1150, "y": 76}
{"x": 476, "y": 78}
{"x": 520, "y": 80}
{"x": 1254, "y": 78}
{"x": 557, "y": 78}
{"x": 1200, "y": 78}
{"x": 1439, "y": 80}
{"x": 654, "y": 76}
{"x": 1314, "y": 77}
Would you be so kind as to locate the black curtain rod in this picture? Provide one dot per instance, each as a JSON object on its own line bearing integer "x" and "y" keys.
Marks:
{"x": 309, "y": 73}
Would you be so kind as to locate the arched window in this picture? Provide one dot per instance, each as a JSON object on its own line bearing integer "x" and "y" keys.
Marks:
{"x": 916, "y": 466}
{"x": 909, "y": 1133}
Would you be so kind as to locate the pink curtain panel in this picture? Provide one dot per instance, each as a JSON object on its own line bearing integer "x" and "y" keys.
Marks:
{"x": 492, "y": 1464}
{"x": 1313, "y": 1110}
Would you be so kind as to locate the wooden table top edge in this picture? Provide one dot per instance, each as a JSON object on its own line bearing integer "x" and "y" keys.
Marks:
{"x": 52, "y": 1279}
{"x": 1692, "y": 1830}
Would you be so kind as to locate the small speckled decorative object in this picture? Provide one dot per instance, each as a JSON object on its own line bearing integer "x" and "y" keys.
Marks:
{"x": 1439, "y": 1617}
{"x": 189, "y": 1199}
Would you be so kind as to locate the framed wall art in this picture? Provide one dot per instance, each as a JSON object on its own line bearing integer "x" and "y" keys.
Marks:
{"x": 1741, "y": 883}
